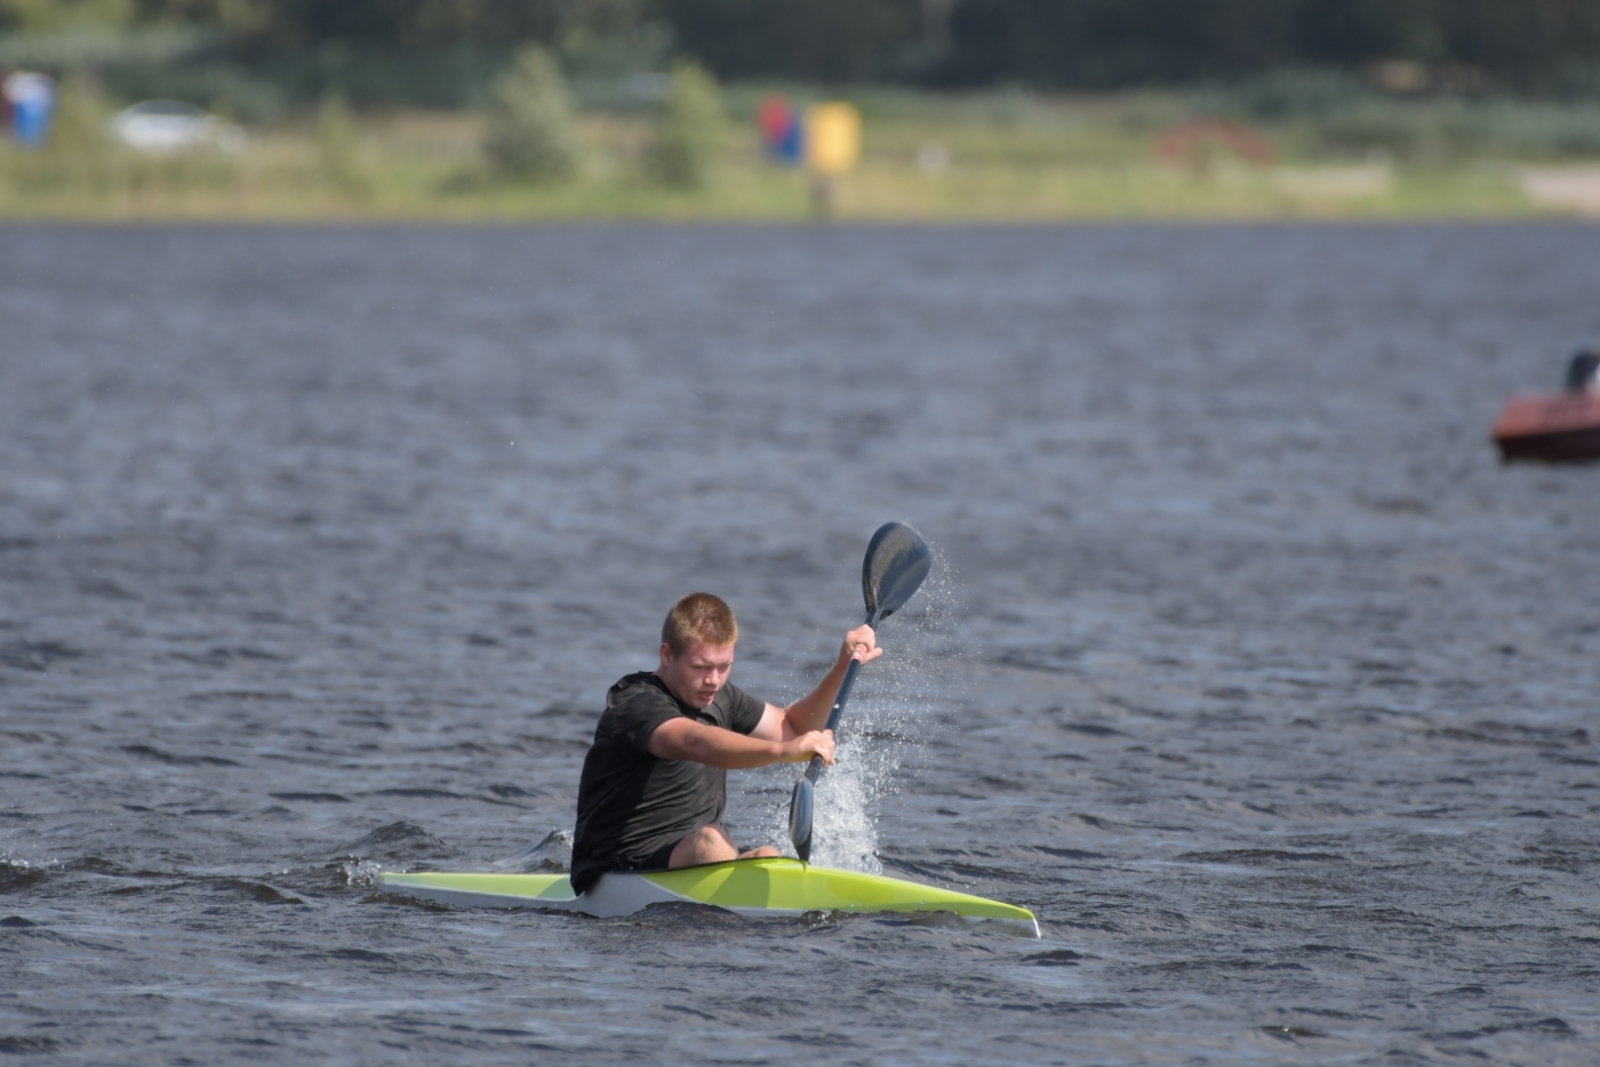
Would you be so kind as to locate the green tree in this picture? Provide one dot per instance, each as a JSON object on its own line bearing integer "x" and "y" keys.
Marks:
{"x": 55, "y": 15}
{"x": 77, "y": 153}
{"x": 531, "y": 131}
{"x": 831, "y": 40}
{"x": 339, "y": 148}
{"x": 690, "y": 129}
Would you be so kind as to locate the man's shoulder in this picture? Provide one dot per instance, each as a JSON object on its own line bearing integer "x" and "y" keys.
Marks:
{"x": 639, "y": 689}
{"x": 635, "y": 706}
{"x": 645, "y": 681}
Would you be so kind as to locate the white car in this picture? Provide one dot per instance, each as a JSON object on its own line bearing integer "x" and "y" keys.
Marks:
{"x": 167, "y": 126}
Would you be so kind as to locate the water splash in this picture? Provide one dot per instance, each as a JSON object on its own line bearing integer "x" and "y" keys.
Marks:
{"x": 360, "y": 874}
{"x": 891, "y": 713}
{"x": 552, "y": 854}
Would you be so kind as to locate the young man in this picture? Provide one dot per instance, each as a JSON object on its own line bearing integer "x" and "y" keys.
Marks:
{"x": 655, "y": 782}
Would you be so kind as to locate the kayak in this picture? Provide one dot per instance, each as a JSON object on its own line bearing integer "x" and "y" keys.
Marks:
{"x": 757, "y": 887}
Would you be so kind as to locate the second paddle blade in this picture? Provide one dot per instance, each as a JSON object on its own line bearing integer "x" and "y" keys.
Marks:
{"x": 800, "y": 819}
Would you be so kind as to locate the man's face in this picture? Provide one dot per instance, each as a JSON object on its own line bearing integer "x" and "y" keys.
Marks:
{"x": 697, "y": 675}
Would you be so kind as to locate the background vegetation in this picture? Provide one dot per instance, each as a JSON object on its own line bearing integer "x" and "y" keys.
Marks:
{"x": 973, "y": 108}
{"x": 531, "y": 131}
{"x": 262, "y": 54}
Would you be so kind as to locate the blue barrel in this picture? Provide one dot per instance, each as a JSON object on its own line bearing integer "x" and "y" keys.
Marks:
{"x": 33, "y": 104}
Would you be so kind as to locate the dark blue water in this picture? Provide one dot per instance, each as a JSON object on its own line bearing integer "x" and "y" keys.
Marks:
{"x": 1247, "y": 666}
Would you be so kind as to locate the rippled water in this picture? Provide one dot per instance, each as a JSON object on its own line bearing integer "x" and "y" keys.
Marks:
{"x": 1247, "y": 667}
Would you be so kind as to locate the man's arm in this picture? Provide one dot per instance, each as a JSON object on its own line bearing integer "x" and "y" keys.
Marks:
{"x": 684, "y": 738}
{"x": 811, "y": 711}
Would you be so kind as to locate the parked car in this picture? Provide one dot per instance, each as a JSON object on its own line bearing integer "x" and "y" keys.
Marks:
{"x": 173, "y": 126}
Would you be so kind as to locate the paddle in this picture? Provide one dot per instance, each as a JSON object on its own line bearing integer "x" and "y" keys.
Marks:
{"x": 897, "y": 560}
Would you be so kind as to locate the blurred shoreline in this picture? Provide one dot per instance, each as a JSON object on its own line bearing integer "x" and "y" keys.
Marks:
{"x": 996, "y": 157}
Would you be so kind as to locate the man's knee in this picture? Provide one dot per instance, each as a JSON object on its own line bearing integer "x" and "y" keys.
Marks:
{"x": 764, "y": 852}
{"x": 709, "y": 844}
{"x": 712, "y": 836}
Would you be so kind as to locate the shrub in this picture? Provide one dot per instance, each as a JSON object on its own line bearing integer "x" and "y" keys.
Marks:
{"x": 75, "y": 155}
{"x": 531, "y": 133}
{"x": 690, "y": 128}
{"x": 339, "y": 148}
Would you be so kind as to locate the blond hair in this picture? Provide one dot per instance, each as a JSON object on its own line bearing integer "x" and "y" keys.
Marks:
{"x": 699, "y": 617}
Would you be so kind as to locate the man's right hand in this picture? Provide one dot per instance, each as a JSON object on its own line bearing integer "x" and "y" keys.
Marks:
{"x": 802, "y": 748}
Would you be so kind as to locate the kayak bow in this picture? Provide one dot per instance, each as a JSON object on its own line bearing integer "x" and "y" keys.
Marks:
{"x": 762, "y": 887}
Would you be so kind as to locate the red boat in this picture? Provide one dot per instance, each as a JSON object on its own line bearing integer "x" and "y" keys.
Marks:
{"x": 1558, "y": 428}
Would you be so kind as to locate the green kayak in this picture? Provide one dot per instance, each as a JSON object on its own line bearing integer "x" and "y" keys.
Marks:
{"x": 747, "y": 887}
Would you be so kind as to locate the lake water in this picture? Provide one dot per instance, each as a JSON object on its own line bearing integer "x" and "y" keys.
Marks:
{"x": 1246, "y": 665}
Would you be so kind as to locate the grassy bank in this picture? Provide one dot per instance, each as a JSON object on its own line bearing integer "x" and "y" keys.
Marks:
{"x": 996, "y": 156}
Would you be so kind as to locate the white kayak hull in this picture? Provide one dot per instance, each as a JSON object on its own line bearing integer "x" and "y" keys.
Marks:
{"x": 757, "y": 887}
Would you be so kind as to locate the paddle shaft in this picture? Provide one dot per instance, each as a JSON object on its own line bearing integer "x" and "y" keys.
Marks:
{"x": 814, "y": 771}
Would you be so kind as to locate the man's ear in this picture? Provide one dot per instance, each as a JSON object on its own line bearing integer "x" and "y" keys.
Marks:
{"x": 666, "y": 654}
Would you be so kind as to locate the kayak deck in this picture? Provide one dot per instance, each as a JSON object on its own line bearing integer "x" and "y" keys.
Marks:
{"x": 765, "y": 886}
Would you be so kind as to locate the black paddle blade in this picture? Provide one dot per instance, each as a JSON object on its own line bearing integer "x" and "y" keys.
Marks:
{"x": 800, "y": 819}
{"x": 897, "y": 561}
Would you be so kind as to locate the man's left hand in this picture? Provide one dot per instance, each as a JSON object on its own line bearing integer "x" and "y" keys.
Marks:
{"x": 862, "y": 644}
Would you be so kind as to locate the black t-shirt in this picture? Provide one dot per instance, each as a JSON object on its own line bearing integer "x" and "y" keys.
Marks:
{"x": 630, "y": 803}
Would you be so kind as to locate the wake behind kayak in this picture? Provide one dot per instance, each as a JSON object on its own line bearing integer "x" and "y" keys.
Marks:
{"x": 755, "y": 887}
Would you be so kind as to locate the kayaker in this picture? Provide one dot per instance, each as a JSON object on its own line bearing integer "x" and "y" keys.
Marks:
{"x": 654, "y": 784}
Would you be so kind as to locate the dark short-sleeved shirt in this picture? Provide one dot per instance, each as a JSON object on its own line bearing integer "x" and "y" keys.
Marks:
{"x": 632, "y": 804}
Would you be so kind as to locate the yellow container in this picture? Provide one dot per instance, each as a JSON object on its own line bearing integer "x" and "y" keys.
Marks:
{"x": 833, "y": 138}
